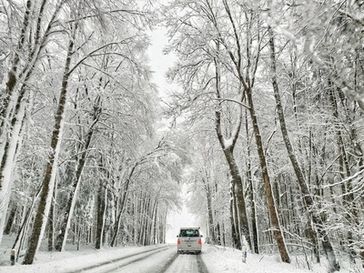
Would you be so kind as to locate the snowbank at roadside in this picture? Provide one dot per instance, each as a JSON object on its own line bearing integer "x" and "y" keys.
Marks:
{"x": 67, "y": 261}
{"x": 221, "y": 260}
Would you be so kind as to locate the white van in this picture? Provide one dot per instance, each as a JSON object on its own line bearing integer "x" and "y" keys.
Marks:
{"x": 189, "y": 240}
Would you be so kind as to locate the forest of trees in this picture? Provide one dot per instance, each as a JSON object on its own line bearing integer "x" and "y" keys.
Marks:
{"x": 267, "y": 124}
{"x": 273, "y": 97}
{"x": 81, "y": 158}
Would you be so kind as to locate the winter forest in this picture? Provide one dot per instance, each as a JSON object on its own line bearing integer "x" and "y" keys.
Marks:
{"x": 264, "y": 126}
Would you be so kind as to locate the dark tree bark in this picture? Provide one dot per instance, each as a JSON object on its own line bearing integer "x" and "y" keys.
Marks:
{"x": 234, "y": 231}
{"x": 247, "y": 82}
{"x": 48, "y": 180}
{"x": 12, "y": 73}
{"x": 309, "y": 202}
{"x": 11, "y": 218}
{"x": 273, "y": 213}
{"x": 155, "y": 224}
{"x": 210, "y": 213}
{"x": 101, "y": 206}
{"x": 124, "y": 196}
{"x": 236, "y": 181}
{"x": 346, "y": 188}
{"x": 62, "y": 236}
{"x": 251, "y": 191}
{"x": 122, "y": 206}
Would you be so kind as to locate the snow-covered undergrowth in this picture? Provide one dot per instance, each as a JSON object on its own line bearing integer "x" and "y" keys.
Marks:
{"x": 221, "y": 260}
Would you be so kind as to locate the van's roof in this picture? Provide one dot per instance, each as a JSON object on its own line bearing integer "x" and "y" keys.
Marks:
{"x": 190, "y": 228}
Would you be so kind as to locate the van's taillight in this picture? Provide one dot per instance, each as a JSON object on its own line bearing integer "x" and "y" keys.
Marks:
{"x": 178, "y": 241}
{"x": 199, "y": 241}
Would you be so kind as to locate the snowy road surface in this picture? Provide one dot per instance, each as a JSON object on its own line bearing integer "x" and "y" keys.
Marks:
{"x": 161, "y": 260}
{"x": 187, "y": 263}
{"x": 164, "y": 259}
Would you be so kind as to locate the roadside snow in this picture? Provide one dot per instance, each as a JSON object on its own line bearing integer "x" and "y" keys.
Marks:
{"x": 220, "y": 259}
{"x": 57, "y": 262}
{"x": 217, "y": 260}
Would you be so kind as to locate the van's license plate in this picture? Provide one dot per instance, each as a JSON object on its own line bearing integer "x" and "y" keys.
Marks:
{"x": 189, "y": 245}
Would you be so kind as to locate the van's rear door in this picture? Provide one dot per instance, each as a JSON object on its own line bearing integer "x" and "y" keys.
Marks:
{"x": 189, "y": 238}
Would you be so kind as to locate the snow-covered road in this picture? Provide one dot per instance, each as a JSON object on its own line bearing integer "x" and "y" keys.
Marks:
{"x": 187, "y": 263}
{"x": 162, "y": 260}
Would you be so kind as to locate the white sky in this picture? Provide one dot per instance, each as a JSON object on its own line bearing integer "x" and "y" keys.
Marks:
{"x": 159, "y": 63}
{"x": 182, "y": 218}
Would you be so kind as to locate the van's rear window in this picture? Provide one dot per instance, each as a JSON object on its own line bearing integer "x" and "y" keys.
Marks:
{"x": 189, "y": 233}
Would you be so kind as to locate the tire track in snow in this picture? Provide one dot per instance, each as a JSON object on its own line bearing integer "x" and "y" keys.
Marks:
{"x": 134, "y": 260}
{"x": 111, "y": 264}
{"x": 185, "y": 263}
{"x": 201, "y": 265}
{"x": 169, "y": 263}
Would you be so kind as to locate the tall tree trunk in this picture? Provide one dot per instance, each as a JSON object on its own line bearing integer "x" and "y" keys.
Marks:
{"x": 247, "y": 84}
{"x": 234, "y": 231}
{"x": 150, "y": 222}
{"x": 10, "y": 221}
{"x": 217, "y": 230}
{"x": 209, "y": 211}
{"x": 7, "y": 166}
{"x": 251, "y": 192}
{"x": 14, "y": 103}
{"x": 62, "y": 236}
{"x": 51, "y": 226}
{"x": 308, "y": 200}
{"x": 228, "y": 150}
{"x": 100, "y": 213}
{"x": 12, "y": 80}
{"x": 277, "y": 231}
{"x": 122, "y": 206}
{"x": 50, "y": 171}
{"x": 155, "y": 223}
{"x": 348, "y": 195}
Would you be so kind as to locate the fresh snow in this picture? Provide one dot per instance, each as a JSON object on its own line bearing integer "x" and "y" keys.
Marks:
{"x": 229, "y": 260}
{"x": 66, "y": 261}
{"x": 216, "y": 259}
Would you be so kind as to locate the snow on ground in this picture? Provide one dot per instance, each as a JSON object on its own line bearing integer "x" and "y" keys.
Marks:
{"x": 216, "y": 259}
{"x": 66, "y": 261}
{"x": 228, "y": 260}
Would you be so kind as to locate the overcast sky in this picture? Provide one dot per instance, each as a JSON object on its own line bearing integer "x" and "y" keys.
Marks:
{"x": 159, "y": 64}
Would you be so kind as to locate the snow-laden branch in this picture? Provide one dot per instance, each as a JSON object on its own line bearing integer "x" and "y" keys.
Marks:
{"x": 232, "y": 100}
{"x": 128, "y": 11}
{"x": 90, "y": 54}
{"x": 345, "y": 180}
